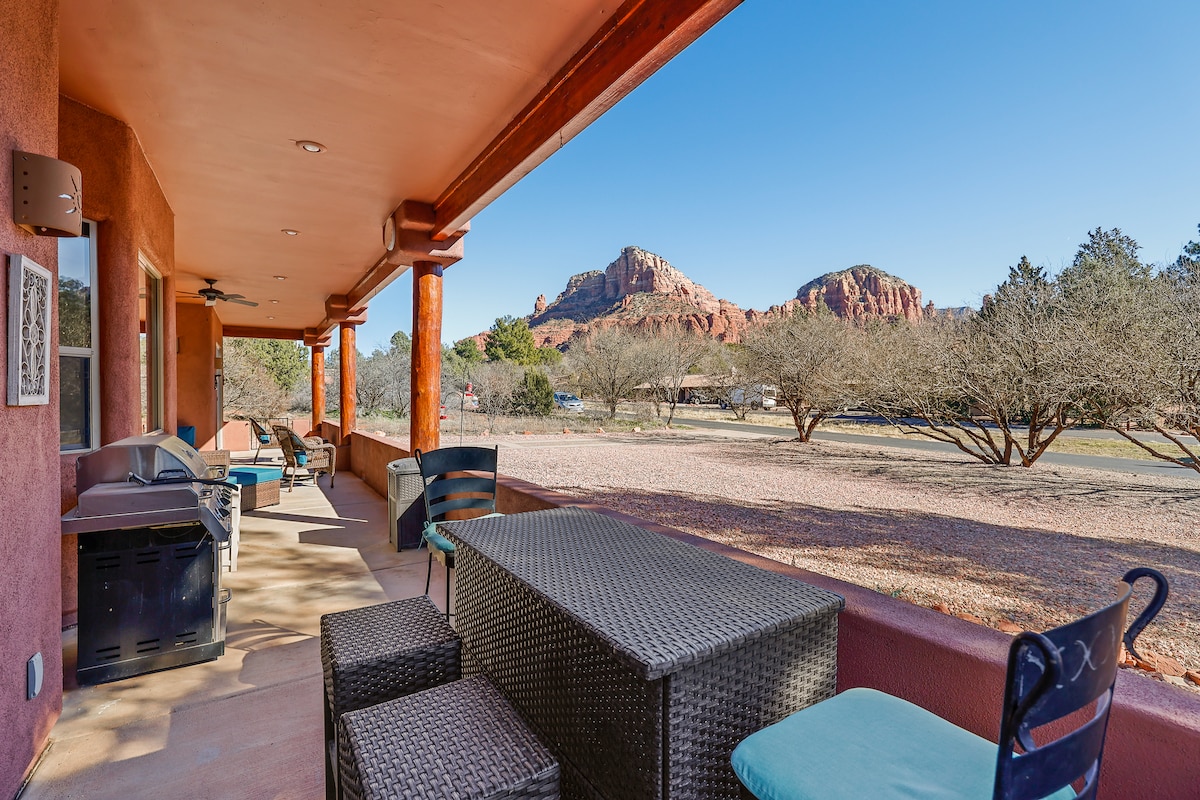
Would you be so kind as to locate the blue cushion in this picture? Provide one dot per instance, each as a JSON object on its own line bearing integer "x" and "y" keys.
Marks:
{"x": 436, "y": 540}
{"x": 188, "y": 434}
{"x": 264, "y": 439}
{"x": 298, "y": 449}
{"x": 249, "y": 476}
{"x": 863, "y": 743}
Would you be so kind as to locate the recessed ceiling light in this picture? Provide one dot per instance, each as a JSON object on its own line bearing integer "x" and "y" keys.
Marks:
{"x": 270, "y": 318}
{"x": 281, "y": 277}
{"x": 274, "y": 301}
{"x": 310, "y": 146}
{"x": 290, "y": 232}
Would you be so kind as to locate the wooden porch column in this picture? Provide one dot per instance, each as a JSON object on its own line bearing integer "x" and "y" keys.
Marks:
{"x": 426, "y": 356}
{"x": 318, "y": 386}
{"x": 348, "y": 359}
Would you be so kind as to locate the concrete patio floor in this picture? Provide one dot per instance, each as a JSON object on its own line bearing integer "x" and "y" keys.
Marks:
{"x": 248, "y": 725}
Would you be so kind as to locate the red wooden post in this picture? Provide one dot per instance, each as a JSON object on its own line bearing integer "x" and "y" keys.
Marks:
{"x": 426, "y": 356}
{"x": 318, "y": 386}
{"x": 348, "y": 358}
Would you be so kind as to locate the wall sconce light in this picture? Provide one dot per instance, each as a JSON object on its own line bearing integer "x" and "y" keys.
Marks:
{"x": 47, "y": 195}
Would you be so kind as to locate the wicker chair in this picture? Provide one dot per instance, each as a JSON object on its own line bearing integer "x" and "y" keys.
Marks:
{"x": 260, "y": 437}
{"x": 311, "y": 453}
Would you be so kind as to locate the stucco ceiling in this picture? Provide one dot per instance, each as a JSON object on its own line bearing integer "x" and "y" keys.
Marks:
{"x": 405, "y": 94}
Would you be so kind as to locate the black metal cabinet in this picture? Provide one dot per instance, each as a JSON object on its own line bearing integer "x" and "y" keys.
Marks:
{"x": 149, "y": 599}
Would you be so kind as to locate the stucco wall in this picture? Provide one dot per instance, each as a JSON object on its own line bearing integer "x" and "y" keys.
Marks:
{"x": 29, "y": 494}
{"x": 199, "y": 331}
{"x": 123, "y": 196}
{"x": 121, "y": 193}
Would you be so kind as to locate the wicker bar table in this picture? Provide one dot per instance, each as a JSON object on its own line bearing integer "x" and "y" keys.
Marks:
{"x": 639, "y": 659}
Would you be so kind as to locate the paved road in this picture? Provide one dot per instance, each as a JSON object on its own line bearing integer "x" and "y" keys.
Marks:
{"x": 1136, "y": 466}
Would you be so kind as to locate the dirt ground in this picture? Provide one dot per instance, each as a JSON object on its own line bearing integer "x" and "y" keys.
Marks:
{"x": 1035, "y": 547}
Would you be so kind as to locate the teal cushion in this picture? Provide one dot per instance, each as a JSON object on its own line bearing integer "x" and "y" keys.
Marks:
{"x": 249, "y": 476}
{"x": 439, "y": 542}
{"x": 298, "y": 449}
{"x": 436, "y": 540}
{"x": 863, "y": 743}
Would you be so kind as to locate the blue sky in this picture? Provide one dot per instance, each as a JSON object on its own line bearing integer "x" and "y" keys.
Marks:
{"x": 939, "y": 141}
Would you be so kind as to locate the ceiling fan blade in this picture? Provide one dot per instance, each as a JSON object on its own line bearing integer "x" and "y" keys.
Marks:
{"x": 225, "y": 296}
{"x": 237, "y": 299}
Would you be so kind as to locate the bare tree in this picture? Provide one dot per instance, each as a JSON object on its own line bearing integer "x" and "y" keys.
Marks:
{"x": 811, "y": 358}
{"x": 249, "y": 387}
{"x": 609, "y": 363}
{"x": 1152, "y": 396}
{"x": 670, "y": 353}
{"x": 731, "y": 378}
{"x": 1000, "y": 385}
{"x": 494, "y": 383}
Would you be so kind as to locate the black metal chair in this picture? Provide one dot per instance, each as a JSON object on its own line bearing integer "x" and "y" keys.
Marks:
{"x": 448, "y": 490}
{"x": 865, "y": 743}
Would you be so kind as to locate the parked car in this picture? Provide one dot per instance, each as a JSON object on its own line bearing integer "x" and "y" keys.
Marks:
{"x": 568, "y": 401}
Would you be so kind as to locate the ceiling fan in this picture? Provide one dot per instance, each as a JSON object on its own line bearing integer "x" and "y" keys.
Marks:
{"x": 212, "y": 294}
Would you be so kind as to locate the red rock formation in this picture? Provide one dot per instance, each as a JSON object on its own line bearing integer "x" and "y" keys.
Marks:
{"x": 861, "y": 292}
{"x": 642, "y": 290}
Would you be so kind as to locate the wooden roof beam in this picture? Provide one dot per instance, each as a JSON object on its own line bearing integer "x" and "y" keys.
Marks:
{"x": 248, "y": 332}
{"x": 633, "y": 43}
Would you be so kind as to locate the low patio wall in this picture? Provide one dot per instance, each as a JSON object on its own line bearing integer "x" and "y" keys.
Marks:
{"x": 947, "y": 665}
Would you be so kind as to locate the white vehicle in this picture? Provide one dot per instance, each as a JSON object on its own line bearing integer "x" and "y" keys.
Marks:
{"x": 761, "y": 395}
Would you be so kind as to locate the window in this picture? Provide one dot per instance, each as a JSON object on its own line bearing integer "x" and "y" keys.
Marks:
{"x": 78, "y": 381}
{"x": 150, "y": 327}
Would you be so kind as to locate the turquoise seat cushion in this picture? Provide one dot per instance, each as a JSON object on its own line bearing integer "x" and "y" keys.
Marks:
{"x": 435, "y": 540}
{"x": 298, "y": 449}
{"x": 867, "y": 744}
{"x": 439, "y": 542}
{"x": 249, "y": 476}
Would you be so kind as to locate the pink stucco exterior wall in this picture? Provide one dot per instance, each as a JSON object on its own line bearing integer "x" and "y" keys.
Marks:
{"x": 122, "y": 195}
{"x": 199, "y": 332}
{"x": 29, "y": 539}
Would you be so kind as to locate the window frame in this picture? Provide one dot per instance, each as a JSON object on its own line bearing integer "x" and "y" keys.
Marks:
{"x": 92, "y": 354}
{"x": 156, "y": 360}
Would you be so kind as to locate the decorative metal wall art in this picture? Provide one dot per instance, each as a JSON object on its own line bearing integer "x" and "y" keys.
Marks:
{"x": 29, "y": 286}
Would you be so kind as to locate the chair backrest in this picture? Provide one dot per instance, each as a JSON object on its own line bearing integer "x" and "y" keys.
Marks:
{"x": 1052, "y": 675}
{"x": 446, "y": 491}
{"x": 260, "y": 433}
{"x": 289, "y": 442}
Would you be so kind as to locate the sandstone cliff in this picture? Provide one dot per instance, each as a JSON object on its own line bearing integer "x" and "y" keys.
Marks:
{"x": 642, "y": 290}
{"x": 861, "y": 292}
{"x": 638, "y": 290}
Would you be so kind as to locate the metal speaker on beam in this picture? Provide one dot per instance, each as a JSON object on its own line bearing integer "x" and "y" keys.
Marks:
{"x": 47, "y": 195}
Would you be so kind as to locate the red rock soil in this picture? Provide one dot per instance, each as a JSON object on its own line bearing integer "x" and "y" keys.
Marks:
{"x": 1008, "y": 547}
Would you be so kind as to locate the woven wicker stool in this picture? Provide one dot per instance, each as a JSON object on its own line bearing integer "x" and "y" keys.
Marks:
{"x": 461, "y": 740}
{"x": 379, "y": 653}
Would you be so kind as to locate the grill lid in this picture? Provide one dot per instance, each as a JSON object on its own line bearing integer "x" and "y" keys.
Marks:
{"x": 151, "y": 456}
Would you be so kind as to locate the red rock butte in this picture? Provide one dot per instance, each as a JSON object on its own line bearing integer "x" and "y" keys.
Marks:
{"x": 642, "y": 290}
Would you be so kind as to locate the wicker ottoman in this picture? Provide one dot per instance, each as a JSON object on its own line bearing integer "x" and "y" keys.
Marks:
{"x": 378, "y": 653}
{"x": 260, "y": 485}
{"x": 461, "y": 740}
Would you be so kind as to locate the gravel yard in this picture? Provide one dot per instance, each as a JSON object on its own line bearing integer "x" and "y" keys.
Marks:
{"x": 1034, "y": 547}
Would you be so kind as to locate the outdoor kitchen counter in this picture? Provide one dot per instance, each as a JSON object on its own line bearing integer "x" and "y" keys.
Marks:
{"x": 641, "y": 660}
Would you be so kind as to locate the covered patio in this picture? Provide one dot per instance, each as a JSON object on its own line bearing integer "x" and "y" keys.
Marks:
{"x": 300, "y": 158}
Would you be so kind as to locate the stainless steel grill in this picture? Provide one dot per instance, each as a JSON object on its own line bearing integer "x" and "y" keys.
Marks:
{"x": 152, "y": 531}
